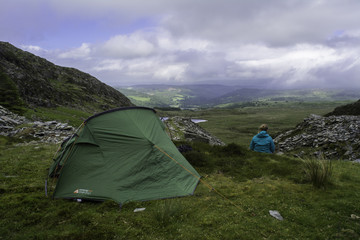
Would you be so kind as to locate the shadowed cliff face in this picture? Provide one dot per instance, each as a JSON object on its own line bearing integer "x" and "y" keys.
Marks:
{"x": 41, "y": 83}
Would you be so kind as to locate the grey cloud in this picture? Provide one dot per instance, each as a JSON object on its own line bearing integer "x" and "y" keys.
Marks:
{"x": 344, "y": 75}
{"x": 343, "y": 40}
{"x": 275, "y": 23}
{"x": 292, "y": 43}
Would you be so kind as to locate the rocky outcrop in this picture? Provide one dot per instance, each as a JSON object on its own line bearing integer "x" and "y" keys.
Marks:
{"x": 13, "y": 125}
{"x": 184, "y": 129}
{"x": 9, "y": 120}
{"x": 334, "y": 137}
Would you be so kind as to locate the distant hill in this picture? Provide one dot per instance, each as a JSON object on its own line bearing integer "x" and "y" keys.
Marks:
{"x": 246, "y": 95}
{"x": 174, "y": 95}
{"x": 349, "y": 109}
{"x": 299, "y": 95}
{"x": 27, "y": 80}
{"x": 207, "y": 95}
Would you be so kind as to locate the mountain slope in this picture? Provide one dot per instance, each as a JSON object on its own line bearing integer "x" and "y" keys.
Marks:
{"x": 39, "y": 83}
{"x": 349, "y": 109}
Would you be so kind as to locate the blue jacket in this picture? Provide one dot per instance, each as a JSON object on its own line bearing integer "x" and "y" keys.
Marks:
{"x": 262, "y": 142}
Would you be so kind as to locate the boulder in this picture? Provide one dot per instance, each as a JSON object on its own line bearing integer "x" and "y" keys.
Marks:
{"x": 184, "y": 129}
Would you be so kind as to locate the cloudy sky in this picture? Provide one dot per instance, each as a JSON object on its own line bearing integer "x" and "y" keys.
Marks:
{"x": 260, "y": 43}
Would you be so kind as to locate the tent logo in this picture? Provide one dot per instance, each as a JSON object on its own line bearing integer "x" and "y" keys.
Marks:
{"x": 83, "y": 191}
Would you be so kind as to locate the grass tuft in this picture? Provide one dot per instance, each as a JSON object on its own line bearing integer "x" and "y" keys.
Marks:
{"x": 318, "y": 171}
{"x": 168, "y": 211}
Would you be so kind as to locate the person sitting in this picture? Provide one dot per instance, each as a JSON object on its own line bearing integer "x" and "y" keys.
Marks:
{"x": 262, "y": 142}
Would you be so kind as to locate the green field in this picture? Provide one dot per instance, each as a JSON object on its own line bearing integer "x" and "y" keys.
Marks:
{"x": 247, "y": 185}
{"x": 149, "y": 97}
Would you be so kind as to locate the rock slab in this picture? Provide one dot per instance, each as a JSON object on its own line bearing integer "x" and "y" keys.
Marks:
{"x": 334, "y": 137}
{"x": 13, "y": 125}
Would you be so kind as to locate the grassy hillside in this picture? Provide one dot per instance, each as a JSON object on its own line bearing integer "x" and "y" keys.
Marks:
{"x": 247, "y": 185}
{"x": 348, "y": 109}
{"x": 10, "y": 97}
{"x": 28, "y": 81}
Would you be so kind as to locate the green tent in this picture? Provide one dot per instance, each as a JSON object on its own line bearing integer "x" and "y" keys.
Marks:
{"x": 123, "y": 154}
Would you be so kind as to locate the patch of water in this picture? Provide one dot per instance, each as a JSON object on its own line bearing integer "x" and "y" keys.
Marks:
{"x": 198, "y": 120}
{"x": 194, "y": 120}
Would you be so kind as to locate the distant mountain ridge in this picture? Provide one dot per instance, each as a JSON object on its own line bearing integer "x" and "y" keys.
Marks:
{"x": 31, "y": 81}
{"x": 208, "y": 95}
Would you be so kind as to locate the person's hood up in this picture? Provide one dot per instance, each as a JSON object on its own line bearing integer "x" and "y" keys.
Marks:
{"x": 262, "y": 134}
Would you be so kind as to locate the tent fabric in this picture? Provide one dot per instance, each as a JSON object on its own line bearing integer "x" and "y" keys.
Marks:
{"x": 124, "y": 155}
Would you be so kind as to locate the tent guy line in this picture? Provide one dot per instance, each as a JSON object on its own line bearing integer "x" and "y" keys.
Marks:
{"x": 202, "y": 181}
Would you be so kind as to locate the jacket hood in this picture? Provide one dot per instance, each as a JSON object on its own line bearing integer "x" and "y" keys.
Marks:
{"x": 262, "y": 134}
